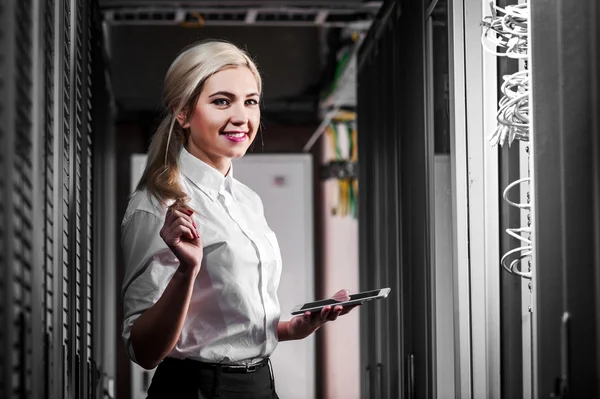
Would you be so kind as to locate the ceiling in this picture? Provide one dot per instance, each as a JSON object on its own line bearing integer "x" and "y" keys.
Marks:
{"x": 238, "y": 3}
{"x": 141, "y": 55}
{"x": 296, "y": 56}
{"x": 329, "y": 13}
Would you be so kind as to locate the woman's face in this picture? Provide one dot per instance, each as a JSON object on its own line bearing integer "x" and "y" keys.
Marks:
{"x": 226, "y": 117}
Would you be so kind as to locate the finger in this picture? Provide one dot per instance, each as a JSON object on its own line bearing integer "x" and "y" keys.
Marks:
{"x": 325, "y": 312}
{"x": 179, "y": 207}
{"x": 334, "y": 315}
{"x": 184, "y": 233}
{"x": 337, "y": 310}
{"x": 187, "y": 222}
{"x": 170, "y": 217}
{"x": 178, "y": 233}
{"x": 170, "y": 234}
{"x": 175, "y": 214}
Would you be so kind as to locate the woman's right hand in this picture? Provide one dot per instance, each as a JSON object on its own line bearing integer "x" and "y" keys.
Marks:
{"x": 181, "y": 235}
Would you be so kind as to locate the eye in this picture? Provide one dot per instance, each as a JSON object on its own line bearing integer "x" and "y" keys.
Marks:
{"x": 252, "y": 102}
{"x": 221, "y": 101}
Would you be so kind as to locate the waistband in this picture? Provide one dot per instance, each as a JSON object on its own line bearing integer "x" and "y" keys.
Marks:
{"x": 225, "y": 368}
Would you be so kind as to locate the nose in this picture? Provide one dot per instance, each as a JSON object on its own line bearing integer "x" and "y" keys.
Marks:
{"x": 239, "y": 114}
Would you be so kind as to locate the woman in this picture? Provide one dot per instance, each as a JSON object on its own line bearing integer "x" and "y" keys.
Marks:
{"x": 203, "y": 267}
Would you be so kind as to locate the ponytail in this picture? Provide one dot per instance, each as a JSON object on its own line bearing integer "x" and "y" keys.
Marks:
{"x": 161, "y": 175}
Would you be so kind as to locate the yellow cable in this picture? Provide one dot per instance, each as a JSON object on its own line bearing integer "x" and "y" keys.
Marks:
{"x": 344, "y": 116}
{"x": 199, "y": 23}
{"x": 329, "y": 132}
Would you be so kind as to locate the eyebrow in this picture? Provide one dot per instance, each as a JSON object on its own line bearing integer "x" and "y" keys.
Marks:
{"x": 231, "y": 95}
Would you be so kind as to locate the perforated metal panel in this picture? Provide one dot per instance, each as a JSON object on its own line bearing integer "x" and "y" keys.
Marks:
{"x": 88, "y": 206}
{"x": 66, "y": 190}
{"x": 78, "y": 110}
{"x": 4, "y": 46}
{"x": 49, "y": 297}
{"x": 22, "y": 203}
{"x": 46, "y": 138}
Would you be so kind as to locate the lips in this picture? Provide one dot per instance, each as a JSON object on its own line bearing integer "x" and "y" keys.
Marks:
{"x": 235, "y": 136}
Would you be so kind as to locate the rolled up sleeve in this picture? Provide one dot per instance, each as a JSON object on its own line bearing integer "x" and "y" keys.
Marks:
{"x": 149, "y": 266}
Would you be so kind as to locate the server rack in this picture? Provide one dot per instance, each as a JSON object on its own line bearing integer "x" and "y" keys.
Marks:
{"x": 49, "y": 285}
{"x": 512, "y": 351}
{"x": 394, "y": 201}
{"x": 566, "y": 123}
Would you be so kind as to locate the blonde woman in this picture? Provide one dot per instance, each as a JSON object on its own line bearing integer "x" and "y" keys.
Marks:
{"x": 203, "y": 267}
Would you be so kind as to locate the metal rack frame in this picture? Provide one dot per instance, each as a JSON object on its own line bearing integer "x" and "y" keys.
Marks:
{"x": 198, "y": 16}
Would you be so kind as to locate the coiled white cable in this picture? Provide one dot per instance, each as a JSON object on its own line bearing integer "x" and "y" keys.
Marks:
{"x": 526, "y": 251}
{"x": 509, "y": 187}
{"x": 508, "y": 31}
{"x": 516, "y": 233}
{"x": 506, "y": 34}
{"x": 513, "y": 110}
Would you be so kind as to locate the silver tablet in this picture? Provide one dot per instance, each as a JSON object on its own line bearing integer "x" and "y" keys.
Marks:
{"x": 355, "y": 299}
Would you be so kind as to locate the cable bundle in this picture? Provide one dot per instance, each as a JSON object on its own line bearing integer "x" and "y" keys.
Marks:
{"x": 509, "y": 32}
{"x": 506, "y": 34}
{"x": 522, "y": 234}
{"x": 513, "y": 111}
{"x": 344, "y": 155}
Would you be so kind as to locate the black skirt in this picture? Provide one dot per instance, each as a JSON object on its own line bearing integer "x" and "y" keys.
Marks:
{"x": 190, "y": 379}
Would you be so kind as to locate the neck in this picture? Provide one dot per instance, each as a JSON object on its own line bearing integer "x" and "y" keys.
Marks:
{"x": 222, "y": 164}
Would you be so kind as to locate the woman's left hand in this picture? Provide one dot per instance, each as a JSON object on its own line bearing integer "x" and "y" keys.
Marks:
{"x": 302, "y": 326}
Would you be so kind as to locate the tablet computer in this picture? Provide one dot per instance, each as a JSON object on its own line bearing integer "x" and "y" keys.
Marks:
{"x": 355, "y": 299}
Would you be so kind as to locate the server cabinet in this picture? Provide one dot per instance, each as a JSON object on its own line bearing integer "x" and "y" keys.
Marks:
{"x": 511, "y": 319}
{"x": 17, "y": 208}
{"x": 48, "y": 279}
{"x": 394, "y": 203}
{"x": 565, "y": 65}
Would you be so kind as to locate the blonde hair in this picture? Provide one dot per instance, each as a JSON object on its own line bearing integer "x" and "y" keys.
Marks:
{"x": 182, "y": 87}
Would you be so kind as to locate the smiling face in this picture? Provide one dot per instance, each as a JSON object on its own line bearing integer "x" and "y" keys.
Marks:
{"x": 225, "y": 119}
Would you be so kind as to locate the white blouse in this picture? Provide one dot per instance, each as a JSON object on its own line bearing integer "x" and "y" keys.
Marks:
{"x": 234, "y": 310}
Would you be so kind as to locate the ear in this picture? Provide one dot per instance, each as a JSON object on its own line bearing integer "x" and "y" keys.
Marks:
{"x": 182, "y": 119}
